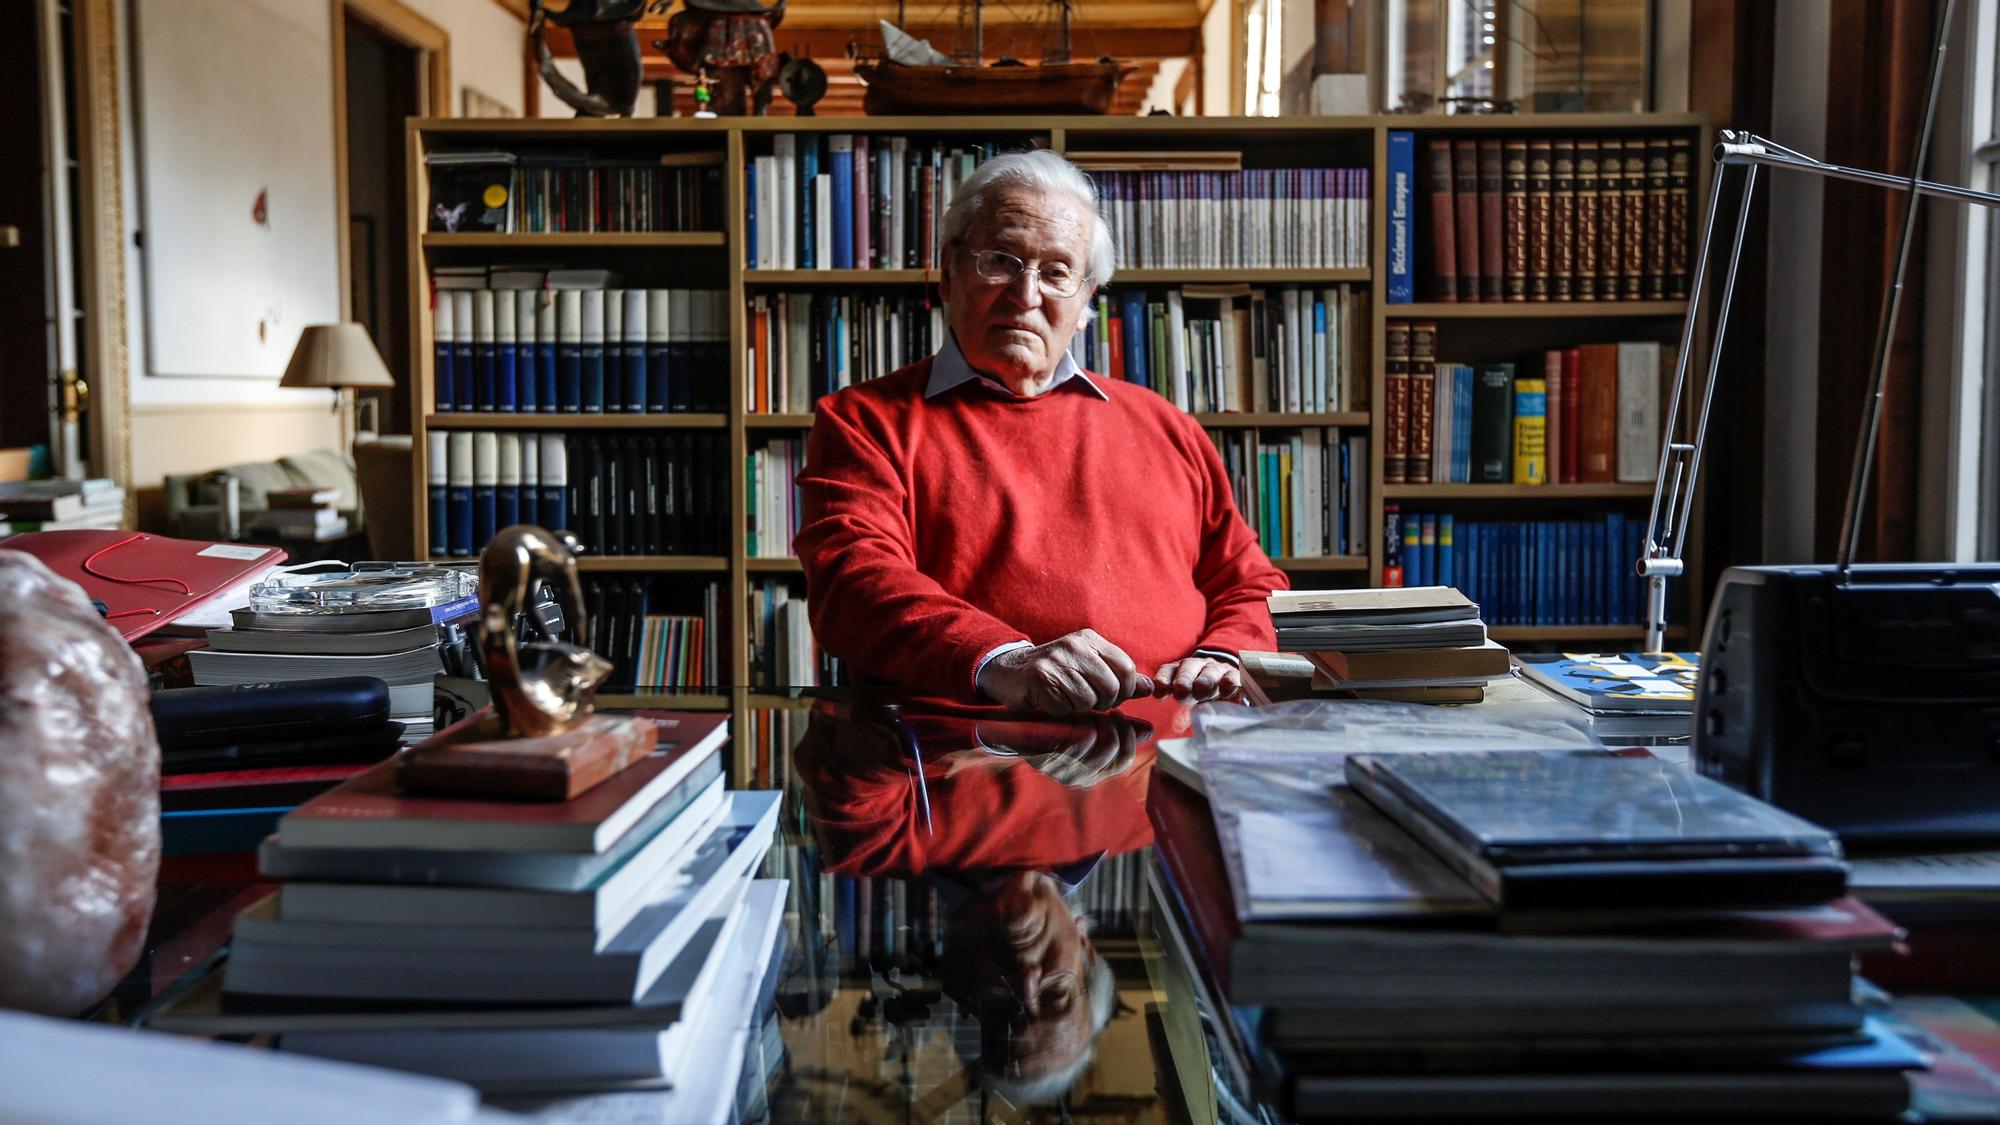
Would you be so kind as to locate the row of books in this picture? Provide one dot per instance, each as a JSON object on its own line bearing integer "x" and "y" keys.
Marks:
{"x": 1250, "y": 218}
{"x": 1215, "y": 348}
{"x": 1589, "y": 414}
{"x": 766, "y": 742}
{"x": 773, "y": 498}
{"x": 1409, "y": 945}
{"x": 558, "y": 192}
{"x": 570, "y": 341}
{"x": 634, "y": 494}
{"x": 852, "y": 200}
{"x": 1539, "y": 218}
{"x": 783, "y": 652}
{"x": 1306, "y": 495}
{"x": 649, "y": 647}
{"x": 1523, "y": 572}
{"x": 1420, "y": 645}
{"x": 804, "y": 346}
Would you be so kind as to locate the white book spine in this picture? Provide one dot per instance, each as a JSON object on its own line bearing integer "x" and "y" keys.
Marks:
{"x": 823, "y": 227}
{"x": 553, "y": 467}
{"x": 531, "y": 475}
{"x": 485, "y": 459}
{"x": 482, "y": 318}
{"x": 507, "y": 460}
{"x": 1638, "y": 412}
{"x": 784, "y": 147}
{"x": 767, "y": 212}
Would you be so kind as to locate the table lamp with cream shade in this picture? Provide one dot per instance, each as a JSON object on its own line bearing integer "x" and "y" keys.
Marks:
{"x": 338, "y": 356}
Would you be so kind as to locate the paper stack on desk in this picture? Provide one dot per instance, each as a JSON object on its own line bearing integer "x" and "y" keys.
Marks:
{"x": 1349, "y": 970}
{"x": 1423, "y": 644}
{"x": 517, "y": 944}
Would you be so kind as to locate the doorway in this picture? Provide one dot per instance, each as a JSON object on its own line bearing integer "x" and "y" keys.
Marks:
{"x": 384, "y": 85}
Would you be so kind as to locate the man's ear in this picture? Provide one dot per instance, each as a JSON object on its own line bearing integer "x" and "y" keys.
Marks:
{"x": 945, "y": 273}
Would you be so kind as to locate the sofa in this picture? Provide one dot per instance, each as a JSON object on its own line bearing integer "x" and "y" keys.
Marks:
{"x": 198, "y": 504}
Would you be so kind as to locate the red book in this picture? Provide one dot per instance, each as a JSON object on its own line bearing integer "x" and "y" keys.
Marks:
{"x": 1584, "y": 252}
{"x": 370, "y": 811}
{"x": 1184, "y": 834}
{"x": 1422, "y": 405}
{"x": 1444, "y": 278}
{"x": 1562, "y": 226}
{"x": 1465, "y": 198}
{"x": 1541, "y": 220}
{"x": 1597, "y": 410}
{"x": 1632, "y": 252}
{"x": 1517, "y": 246}
{"x": 1115, "y": 332}
{"x": 1610, "y": 219}
{"x": 1572, "y": 359}
{"x": 251, "y": 788}
{"x": 1396, "y": 403}
{"x": 1552, "y": 375}
{"x": 146, "y": 580}
{"x": 1654, "y": 278}
{"x": 1491, "y": 225}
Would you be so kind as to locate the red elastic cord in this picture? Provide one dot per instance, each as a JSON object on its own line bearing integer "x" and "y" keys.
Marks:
{"x": 131, "y": 613}
{"x": 133, "y": 538}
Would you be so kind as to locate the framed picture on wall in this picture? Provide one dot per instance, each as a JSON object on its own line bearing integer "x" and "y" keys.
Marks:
{"x": 478, "y": 103}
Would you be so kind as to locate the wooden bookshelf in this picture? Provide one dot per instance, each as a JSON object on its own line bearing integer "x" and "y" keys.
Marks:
{"x": 714, "y": 259}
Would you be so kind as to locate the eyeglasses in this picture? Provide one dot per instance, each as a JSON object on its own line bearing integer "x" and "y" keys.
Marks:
{"x": 1057, "y": 279}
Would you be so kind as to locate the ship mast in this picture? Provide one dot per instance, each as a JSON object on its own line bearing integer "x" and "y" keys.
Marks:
{"x": 1062, "y": 52}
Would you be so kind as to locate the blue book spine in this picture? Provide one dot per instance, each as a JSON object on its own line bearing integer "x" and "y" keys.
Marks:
{"x": 553, "y": 486}
{"x": 1402, "y": 216}
{"x": 1392, "y": 546}
{"x": 750, "y": 214}
{"x": 1613, "y": 567}
{"x": 614, "y": 352}
{"x": 591, "y": 354}
{"x": 1466, "y": 545}
{"x": 840, "y": 151}
{"x": 569, "y": 351}
{"x": 526, "y": 326}
{"x": 439, "y": 473}
{"x": 809, "y": 219}
{"x": 505, "y": 355}
{"x": 461, "y": 348}
{"x": 545, "y": 352}
{"x": 1447, "y": 548}
{"x": 443, "y": 340}
{"x": 1133, "y": 306}
{"x": 634, "y": 354}
{"x": 485, "y": 488}
{"x": 658, "y": 317}
{"x": 482, "y": 349}
{"x": 458, "y": 500}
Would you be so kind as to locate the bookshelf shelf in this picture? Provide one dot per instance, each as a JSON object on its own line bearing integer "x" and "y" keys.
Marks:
{"x": 1534, "y": 310}
{"x": 1517, "y": 491}
{"x": 837, "y": 277}
{"x": 483, "y": 240}
{"x": 769, "y": 698}
{"x": 1237, "y": 420}
{"x": 786, "y": 565}
{"x": 778, "y": 421}
{"x": 644, "y": 564}
{"x": 1323, "y": 563}
{"x": 471, "y": 421}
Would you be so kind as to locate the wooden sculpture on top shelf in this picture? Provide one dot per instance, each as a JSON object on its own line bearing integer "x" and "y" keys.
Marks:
{"x": 540, "y": 739}
{"x": 731, "y": 46}
{"x": 606, "y": 34}
{"x": 912, "y": 77}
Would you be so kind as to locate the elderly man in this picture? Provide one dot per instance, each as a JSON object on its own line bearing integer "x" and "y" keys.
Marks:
{"x": 996, "y": 523}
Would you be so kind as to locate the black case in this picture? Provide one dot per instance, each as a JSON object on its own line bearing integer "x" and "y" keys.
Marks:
{"x": 206, "y": 717}
{"x": 1871, "y": 706}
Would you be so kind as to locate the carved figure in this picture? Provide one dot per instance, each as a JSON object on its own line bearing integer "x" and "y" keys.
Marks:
{"x": 732, "y": 43}
{"x": 607, "y": 43}
{"x": 79, "y": 796}
{"x": 539, "y": 688}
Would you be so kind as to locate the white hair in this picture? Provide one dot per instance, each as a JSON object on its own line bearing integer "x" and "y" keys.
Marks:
{"x": 1041, "y": 170}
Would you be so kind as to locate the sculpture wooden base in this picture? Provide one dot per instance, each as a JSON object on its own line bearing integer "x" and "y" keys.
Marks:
{"x": 472, "y": 758}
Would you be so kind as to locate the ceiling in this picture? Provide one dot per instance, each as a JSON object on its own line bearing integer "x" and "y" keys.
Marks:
{"x": 1138, "y": 32}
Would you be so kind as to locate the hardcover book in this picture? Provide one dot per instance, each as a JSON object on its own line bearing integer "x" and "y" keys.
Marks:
{"x": 1491, "y": 225}
{"x": 1518, "y": 243}
{"x": 1438, "y": 185}
{"x": 1610, "y": 219}
{"x": 1584, "y": 260}
{"x": 1540, "y": 218}
{"x": 1617, "y": 682}
{"x": 1562, "y": 221}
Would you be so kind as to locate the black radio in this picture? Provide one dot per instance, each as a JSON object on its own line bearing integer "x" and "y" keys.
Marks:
{"x": 1867, "y": 702}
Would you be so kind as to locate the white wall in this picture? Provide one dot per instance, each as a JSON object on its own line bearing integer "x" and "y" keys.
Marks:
{"x": 488, "y": 49}
{"x": 1791, "y": 316}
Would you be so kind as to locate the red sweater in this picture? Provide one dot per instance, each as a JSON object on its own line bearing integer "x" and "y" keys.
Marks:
{"x": 936, "y": 530}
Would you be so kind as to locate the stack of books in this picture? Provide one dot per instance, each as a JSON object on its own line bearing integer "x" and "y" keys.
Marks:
{"x": 1418, "y": 644}
{"x": 1628, "y": 698}
{"x": 60, "y": 504}
{"x": 523, "y": 945}
{"x": 403, "y": 645}
{"x": 312, "y": 514}
{"x": 1518, "y": 934}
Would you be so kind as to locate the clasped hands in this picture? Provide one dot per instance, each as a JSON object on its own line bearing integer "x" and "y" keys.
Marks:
{"x": 1082, "y": 671}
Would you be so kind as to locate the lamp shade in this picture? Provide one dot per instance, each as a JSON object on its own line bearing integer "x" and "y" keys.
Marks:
{"x": 336, "y": 355}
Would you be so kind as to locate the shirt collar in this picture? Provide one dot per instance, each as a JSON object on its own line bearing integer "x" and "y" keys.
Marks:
{"x": 949, "y": 369}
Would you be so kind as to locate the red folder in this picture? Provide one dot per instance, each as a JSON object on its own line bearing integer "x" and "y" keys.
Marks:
{"x": 145, "y": 580}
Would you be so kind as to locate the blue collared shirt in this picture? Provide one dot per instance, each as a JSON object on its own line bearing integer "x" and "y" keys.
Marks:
{"x": 950, "y": 369}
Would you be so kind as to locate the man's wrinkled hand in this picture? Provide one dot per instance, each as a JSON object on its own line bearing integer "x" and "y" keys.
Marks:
{"x": 1077, "y": 672}
{"x": 1199, "y": 679}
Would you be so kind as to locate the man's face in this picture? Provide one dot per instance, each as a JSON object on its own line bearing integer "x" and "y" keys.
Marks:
{"x": 1015, "y": 331}
{"x": 1019, "y": 955}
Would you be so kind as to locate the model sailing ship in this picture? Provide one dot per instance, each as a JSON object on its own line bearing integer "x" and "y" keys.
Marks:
{"x": 914, "y": 78}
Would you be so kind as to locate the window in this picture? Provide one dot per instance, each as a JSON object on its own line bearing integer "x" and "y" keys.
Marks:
{"x": 1984, "y": 368}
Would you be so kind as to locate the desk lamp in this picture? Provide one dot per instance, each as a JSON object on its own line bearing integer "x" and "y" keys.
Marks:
{"x": 1866, "y": 699}
{"x": 338, "y": 356}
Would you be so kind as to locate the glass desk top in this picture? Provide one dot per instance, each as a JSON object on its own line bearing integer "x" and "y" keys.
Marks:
{"x": 968, "y": 931}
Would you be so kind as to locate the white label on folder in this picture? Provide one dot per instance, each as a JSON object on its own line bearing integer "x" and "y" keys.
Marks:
{"x": 231, "y": 551}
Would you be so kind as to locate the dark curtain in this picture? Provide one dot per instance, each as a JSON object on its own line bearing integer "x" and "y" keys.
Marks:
{"x": 1878, "y": 66}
